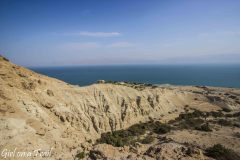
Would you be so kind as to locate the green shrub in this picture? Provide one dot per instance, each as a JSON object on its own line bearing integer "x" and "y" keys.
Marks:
{"x": 123, "y": 137}
{"x": 148, "y": 85}
{"x": 190, "y": 151}
{"x": 154, "y": 86}
{"x": 233, "y": 97}
{"x": 216, "y": 114}
{"x": 131, "y": 135}
{"x": 236, "y": 124}
{"x": 109, "y": 82}
{"x": 219, "y": 152}
{"x": 117, "y": 138}
{"x": 214, "y": 99}
{"x": 138, "y": 129}
{"x": 226, "y": 109}
{"x": 205, "y": 127}
{"x": 80, "y": 155}
{"x": 147, "y": 140}
{"x": 191, "y": 123}
{"x": 194, "y": 120}
{"x": 236, "y": 134}
{"x": 95, "y": 155}
{"x": 224, "y": 122}
{"x": 237, "y": 114}
{"x": 194, "y": 114}
{"x": 162, "y": 129}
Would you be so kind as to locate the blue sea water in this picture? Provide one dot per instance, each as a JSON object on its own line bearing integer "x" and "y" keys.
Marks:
{"x": 210, "y": 75}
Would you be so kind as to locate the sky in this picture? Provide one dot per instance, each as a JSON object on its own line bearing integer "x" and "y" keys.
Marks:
{"x": 120, "y": 32}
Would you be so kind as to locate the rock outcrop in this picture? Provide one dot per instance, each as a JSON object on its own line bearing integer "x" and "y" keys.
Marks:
{"x": 41, "y": 112}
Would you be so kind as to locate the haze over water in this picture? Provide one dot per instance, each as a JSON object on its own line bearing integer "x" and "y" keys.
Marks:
{"x": 210, "y": 75}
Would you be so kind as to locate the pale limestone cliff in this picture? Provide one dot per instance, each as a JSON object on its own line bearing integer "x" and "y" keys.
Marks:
{"x": 41, "y": 112}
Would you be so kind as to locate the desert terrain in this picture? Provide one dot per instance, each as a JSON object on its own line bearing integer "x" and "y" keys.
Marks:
{"x": 115, "y": 120}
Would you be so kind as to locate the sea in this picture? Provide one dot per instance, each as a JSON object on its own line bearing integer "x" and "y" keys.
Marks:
{"x": 202, "y": 75}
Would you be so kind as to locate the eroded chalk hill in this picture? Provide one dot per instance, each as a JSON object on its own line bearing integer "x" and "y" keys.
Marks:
{"x": 42, "y": 112}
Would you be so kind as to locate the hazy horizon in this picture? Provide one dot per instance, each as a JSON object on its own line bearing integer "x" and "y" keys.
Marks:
{"x": 137, "y": 65}
{"x": 76, "y": 33}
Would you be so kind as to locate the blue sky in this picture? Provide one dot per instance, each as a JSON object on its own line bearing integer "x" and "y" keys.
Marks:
{"x": 105, "y": 32}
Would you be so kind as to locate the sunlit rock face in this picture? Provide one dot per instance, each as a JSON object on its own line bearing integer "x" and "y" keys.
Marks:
{"x": 42, "y": 112}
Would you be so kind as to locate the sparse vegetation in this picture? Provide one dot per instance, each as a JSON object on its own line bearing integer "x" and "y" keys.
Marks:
{"x": 237, "y": 114}
{"x": 95, "y": 155}
{"x": 236, "y": 124}
{"x": 238, "y": 102}
{"x": 133, "y": 134}
{"x": 224, "y": 122}
{"x": 213, "y": 99}
{"x": 147, "y": 140}
{"x": 236, "y": 134}
{"x": 219, "y": 152}
{"x": 191, "y": 123}
{"x": 154, "y": 86}
{"x": 198, "y": 120}
{"x": 162, "y": 129}
{"x": 98, "y": 108}
{"x": 232, "y": 97}
{"x": 226, "y": 110}
{"x": 194, "y": 114}
{"x": 215, "y": 114}
{"x": 135, "y": 85}
{"x": 190, "y": 150}
{"x": 193, "y": 120}
{"x": 205, "y": 127}
{"x": 80, "y": 155}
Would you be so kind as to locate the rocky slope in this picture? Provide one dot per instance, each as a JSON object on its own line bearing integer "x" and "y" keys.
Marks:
{"x": 38, "y": 112}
